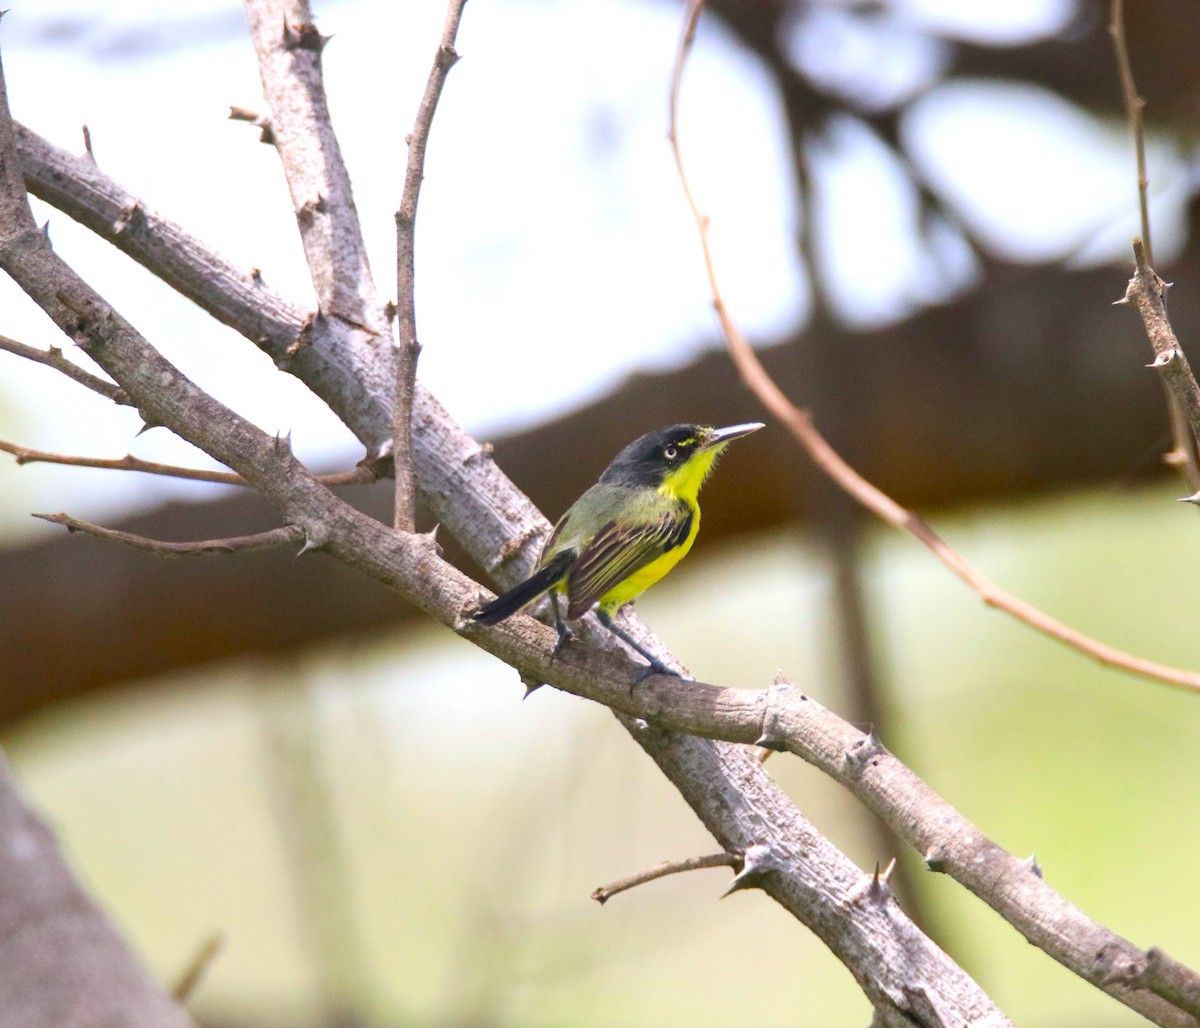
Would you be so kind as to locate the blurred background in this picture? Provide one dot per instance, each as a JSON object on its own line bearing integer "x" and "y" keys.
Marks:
{"x": 921, "y": 216}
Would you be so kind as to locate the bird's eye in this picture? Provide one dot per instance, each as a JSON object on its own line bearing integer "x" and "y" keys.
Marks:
{"x": 671, "y": 452}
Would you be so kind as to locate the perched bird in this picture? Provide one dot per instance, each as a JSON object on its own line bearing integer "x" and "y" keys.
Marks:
{"x": 625, "y": 533}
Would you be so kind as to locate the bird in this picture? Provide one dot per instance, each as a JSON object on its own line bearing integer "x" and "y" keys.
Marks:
{"x": 625, "y": 533}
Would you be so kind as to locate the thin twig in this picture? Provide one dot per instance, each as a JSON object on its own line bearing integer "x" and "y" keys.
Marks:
{"x": 667, "y": 867}
{"x": 1135, "y": 107}
{"x": 364, "y": 474}
{"x": 1183, "y": 453}
{"x": 406, "y": 310}
{"x": 259, "y": 541}
{"x": 56, "y": 359}
{"x": 800, "y": 424}
{"x": 208, "y": 951}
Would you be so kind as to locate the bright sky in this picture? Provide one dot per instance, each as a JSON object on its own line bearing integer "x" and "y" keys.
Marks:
{"x": 555, "y": 253}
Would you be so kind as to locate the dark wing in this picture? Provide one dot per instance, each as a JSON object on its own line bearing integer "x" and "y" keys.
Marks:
{"x": 614, "y": 553}
{"x": 546, "y": 577}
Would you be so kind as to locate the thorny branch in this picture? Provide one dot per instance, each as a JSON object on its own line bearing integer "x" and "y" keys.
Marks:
{"x": 1183, "y": 453}
{"x": 441, "y": 591}
{"x": 800, "y": 424}
{"x": 1148, "y": 293}
{"x": 406, "y": 301}
{"x": 723, "y": 782}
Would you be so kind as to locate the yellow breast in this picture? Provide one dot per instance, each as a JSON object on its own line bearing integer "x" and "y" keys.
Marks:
{"x": 632, "y": 587}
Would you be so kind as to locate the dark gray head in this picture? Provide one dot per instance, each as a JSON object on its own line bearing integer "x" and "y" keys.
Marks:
{"x": 647, "y": 461}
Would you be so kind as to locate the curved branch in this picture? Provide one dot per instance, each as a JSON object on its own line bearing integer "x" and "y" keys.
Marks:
{"x": 800, "y": 424}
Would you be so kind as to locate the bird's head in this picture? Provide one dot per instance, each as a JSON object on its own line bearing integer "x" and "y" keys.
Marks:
{"x": 674, "y": 460}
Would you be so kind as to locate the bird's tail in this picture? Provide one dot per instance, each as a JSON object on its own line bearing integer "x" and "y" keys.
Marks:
{"x": 521, "y": 595}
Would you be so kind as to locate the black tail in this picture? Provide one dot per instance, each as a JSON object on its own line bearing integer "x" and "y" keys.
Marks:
{"x": 525, "y": 593}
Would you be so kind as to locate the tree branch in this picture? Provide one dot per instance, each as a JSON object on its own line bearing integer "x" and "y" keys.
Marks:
{"x": 59, "y": 953}
{"x": 406, "y": 302}
{"x": 364, "y": 474}
{"x": 1148, "y": 294}
{"x": 668, "y": 867}
{"x": 342, "y": 364}
{"x": 800, "y": 424}
{"x": 1183, "y": 453}
{"x": 54, "y": 358}
{"x": 289, "y": 48}
{"x": 723, "y": 782}
{"x": 259, "y": 541}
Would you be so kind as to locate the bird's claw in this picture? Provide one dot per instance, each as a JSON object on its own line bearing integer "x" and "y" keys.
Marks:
{"x": 656, "y": 667}
{"x": 565, "y": 635}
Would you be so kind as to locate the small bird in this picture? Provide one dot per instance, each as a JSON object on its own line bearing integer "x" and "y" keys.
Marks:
{"x": 625, "y": 533}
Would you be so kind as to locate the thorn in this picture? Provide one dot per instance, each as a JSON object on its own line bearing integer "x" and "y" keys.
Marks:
{"x": 1164, "y": 358}
{"x": 771, "y": 743}
{"x": 756, "y": 862}
{"x": 303, "y": 36}
{"x": 887, "y": 871}
{"x": 934, "y": 860}
{"x": 146, "y": 427}
{"x": 125, "y": 218}
{"x": 312, "y": 542}
{"x": 430, "y": 540}
{"x": 532, "y": 685}
{"x": 867, "y": 749}
{"x": 46, "y": 229}
{"x": 876, "y": 888}
{"x": 1194, "y": 498}
{"x": 283, "y": 444}
{"x": 1032, "y": 864}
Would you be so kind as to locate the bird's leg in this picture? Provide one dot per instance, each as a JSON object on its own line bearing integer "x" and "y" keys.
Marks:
{"x": 657, "y": 667}
{"x": 565, "y": 635}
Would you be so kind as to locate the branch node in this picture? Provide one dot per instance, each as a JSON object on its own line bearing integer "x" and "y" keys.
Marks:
{"x": 303, "y": 36}
{"x": 776, "y": 699}
{"x": 125, "y": 218}
{"x": 313, "y": 541}
{"x": 935, "y": 860}
{"x": 757, "y": 861}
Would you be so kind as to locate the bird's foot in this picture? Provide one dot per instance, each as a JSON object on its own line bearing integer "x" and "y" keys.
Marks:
{"x": 656, "y": 667}
{"x": 565, "y": 635}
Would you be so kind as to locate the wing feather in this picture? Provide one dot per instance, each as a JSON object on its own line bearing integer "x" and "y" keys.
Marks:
{"x": 614, "y": 553}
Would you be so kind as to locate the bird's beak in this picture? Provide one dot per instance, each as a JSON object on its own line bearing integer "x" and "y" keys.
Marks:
{"x": 721, "y": 436}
